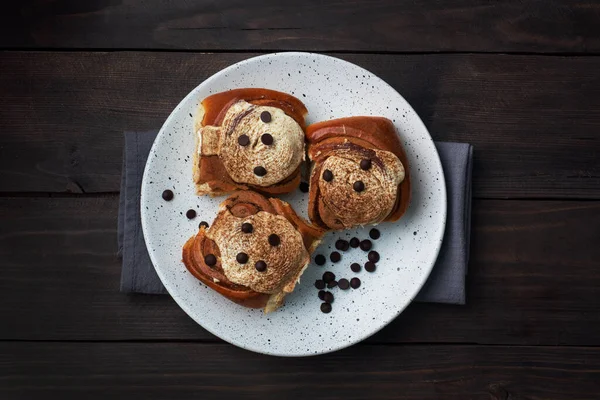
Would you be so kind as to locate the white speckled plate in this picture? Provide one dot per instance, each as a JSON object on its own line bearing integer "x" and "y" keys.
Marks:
{"x": 330, "y": 88}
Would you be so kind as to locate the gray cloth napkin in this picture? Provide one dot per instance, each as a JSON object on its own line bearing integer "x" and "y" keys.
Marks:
{"x": 446, "y": 283}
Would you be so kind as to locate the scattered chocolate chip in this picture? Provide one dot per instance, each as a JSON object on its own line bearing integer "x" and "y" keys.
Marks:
{"x": 304, "y": 187}
{"x": 274, "y": 239}
{"x": 322, "y": 294}
{"x": 355, "y": 283}
{"x": 374, "y": 234}
{"x": 342, "y": 244}
{"x": 203, "y": 224}
{"x": 343, "y": 284}
{"x": 326, "y": 308}
{"x": 260, "y": 266}
{"x": 328, "y": 297}
{"x": 370, "y": 266}
{"x": 191, "y": 214}
{"x": 328, "y": 277}
{"x": 243, "y": 140}
{"x": 327, "y": 175}
{"x": 167, "y": 195}
{"x": 365, "y": 164}
{"x": 210, "y": 260}
{"x": 267, "y": 139}
{"x": 355, "y": 267}
{"x": 265, "y": 116}
{"x": 320, "y": 284}
{"x": 320, "y": 259}
{"x": 335, "y": 257}
{"x": 358, "y": 186}
{"x": 366, "y": 245}
{"x": 332, "y": 284}
{"x": 354, "y": 242}
{"x": 373, "y": 256}
{"x": 242, "y": 258}
{"x": 247, "y": 227}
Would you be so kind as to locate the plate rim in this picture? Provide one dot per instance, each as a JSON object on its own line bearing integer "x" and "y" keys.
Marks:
{"x": 184, "y": 306}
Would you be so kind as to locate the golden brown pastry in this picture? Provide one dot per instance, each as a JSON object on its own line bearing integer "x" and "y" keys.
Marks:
{"x": 359, "y": 173}
{"x": 254, "y": 252}
{"x": 249, "y": 139}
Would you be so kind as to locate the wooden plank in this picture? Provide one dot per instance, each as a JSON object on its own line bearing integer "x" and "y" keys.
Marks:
{"x": 534, "y": 120}
{"x": 217, "y": 371}
{"x": 363, "y": 25}
{"x": 533, "y": 278}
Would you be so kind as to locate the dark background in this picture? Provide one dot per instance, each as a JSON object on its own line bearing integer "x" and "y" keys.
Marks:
{"x": 520, "y": 80}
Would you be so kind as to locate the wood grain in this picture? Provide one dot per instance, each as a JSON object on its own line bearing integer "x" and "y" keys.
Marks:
{"x": 217, "y": 371}
{"x": 532, "y": 279}
{"x": 534, "y": 120}
{"x": 363, "y": 25}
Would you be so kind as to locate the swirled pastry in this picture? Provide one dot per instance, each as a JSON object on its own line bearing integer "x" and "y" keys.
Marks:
{"x": 249, "y": 139}
{"x": 254, "y": 252}
{"x": 359, "y": 173}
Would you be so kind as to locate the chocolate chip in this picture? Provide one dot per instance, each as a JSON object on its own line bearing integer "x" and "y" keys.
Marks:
{"x": 320, "y": 259}
{"x": 210, "y": 260}
{"x": 365, "y": 164}
{"x": 326, "y": 308}
{"x": 343, "y": 284}
{"x": 327, "y": 175}
{"x": 242, "y": 258}
{"x": 373, "y": 256}
{"x": 203, "y": 224}
{"x": 355, "y": 283}
{"x": 332, "y": 284}
{"x": 274, "y": 239}
{"x": 167, "y": 195}
{"x": 370, "y": 266}
{"x": 260, "y": 266}
{"x": 358, "y": 186}
{"x": 335, "y": 257}
{"x": 355, "y": 267}
{"x": 374, "y": 234}
{"x": 267, "y": 139}
{"x": 354, "y": 242}
{"x": 304, "y": 187}
{"x": 328, "y": 277}
{"x": 366, "y": 245}
{"x": 260, "y": 171}
{"x": 247, "y": 227}
{"x": 320, "y": 284}
{"x": 342, "y": 244}
{"x": 328, "y": 297}
{"x": 191, "y": 214}
{"x": 265, "y": 116}
{"x": 243, "y": 140}
{"x": 322, "y": 294}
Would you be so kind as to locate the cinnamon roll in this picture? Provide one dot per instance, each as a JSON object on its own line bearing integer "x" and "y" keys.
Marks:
{"x": 359, "y": 173}
{"x": 254, "y": 252}
{"x": 249, "y": 139}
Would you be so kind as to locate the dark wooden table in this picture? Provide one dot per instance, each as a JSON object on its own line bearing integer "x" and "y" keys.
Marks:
{"x": 520, "y": 80}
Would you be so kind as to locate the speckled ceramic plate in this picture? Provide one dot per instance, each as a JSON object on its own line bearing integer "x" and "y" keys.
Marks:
{"x": 330, "y": 88}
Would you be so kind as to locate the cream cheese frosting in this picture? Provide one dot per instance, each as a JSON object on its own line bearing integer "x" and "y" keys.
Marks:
{"x": 280, "y": 159}
{"x": 376, "y": 201}
{"x": 285, "y": 261}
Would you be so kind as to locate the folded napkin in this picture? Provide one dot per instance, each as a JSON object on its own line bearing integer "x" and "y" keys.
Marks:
{"x": 446, "y": 283}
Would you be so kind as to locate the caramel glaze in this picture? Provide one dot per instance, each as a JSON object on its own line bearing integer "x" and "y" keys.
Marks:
{"x": 212, "y": 171}
{"x": 216, "y": 105}
{"x": 241, "y": 204}
{"x": 362, "y": 134}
